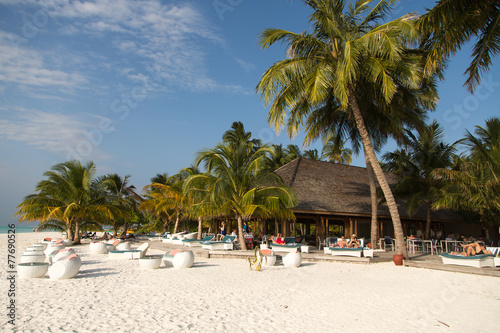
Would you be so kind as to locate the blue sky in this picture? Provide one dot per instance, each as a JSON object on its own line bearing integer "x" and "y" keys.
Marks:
{"x": 140, "y": 86}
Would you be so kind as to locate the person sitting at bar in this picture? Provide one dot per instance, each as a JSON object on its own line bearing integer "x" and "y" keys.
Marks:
{"x": 341, "y": 243}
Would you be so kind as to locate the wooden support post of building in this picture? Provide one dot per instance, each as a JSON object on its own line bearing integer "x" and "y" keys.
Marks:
{"x": 327, "y": 227}
{"x": 356, "y": 227}
{"x": 308, "y": 228}
{"x": 350, "y": 228}
{"x": 295, "y": 228}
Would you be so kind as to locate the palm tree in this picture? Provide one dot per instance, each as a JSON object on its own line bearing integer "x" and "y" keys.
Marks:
{"x": 166, "y": 198}
{"x": 68, "y": 195}
{"x": 152, "y": 202}
{"x": 312, "y": 154}
{"x": 293, "y": 152}
{"x": 344, "y": 53}
{"x": 452, "y": 23}
{"x": 414, "y": 165}
{"x": 237, "y": 184}
{"x": 474, "y": 184}
{"x": 335, "y": 152}
{"x": 238, "y": 134}
{"x": 124, "y": 196}
{"x": 276, "y": 158}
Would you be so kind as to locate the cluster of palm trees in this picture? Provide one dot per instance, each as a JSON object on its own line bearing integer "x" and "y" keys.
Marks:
{"x": 72, "y": 199}
{"x": 357, "y": 77}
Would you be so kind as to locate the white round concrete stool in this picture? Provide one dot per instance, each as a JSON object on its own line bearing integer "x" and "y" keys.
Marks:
{"x": 32, "y": 270}
{"x": 293, "y": 259}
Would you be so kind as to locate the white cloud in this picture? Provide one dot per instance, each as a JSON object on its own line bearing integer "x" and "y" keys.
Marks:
{"x": 23, "y": 66}
{"x": 55, "y": 132}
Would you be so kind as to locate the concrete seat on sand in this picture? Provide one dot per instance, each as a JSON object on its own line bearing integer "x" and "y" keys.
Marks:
{"x": 268, "y": 257}
{"x": 293, "y": 259}
{"x": 65, "y": 268}
{"x": 32, "y": 270}
{"x": 179, "y": 259}
{"x": 98, "y": 248}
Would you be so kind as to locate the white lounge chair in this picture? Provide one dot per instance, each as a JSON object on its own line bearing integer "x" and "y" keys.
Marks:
{"x": 196, "y": 242}
{"x": 138, "y": 253}
{"x": 352, "y": 252}
{"x": 227, "y": 243}
{"x": 473, "y": 261}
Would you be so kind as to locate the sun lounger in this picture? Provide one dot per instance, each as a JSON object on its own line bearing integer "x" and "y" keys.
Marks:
{"x": 496, "y": 253}
{"x": 227, "y": 243}
{"x": 181, "y": 238}
{"x": 171, "y": 237}
{"x": 285, "y": 247}
{"x": 138, "y": 253}
{"x": 473, "y": 261}
{"x": 352, "y": 252}
{"x": 196, "y": 242}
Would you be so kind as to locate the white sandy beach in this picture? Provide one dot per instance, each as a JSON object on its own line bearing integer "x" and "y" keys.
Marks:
{"x": 223, "y": 295}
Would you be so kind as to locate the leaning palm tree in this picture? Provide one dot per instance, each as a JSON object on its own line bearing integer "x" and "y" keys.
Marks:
{"x": 238, "y": 185}
{"x": 452, "y": 23}
{"x": 414, "y": 166}
{"x": 68, "y": 195}
{"x": 344, "y": 52}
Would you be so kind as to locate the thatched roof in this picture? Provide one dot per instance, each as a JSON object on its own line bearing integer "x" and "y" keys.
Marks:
{"x": 338, "y": 189}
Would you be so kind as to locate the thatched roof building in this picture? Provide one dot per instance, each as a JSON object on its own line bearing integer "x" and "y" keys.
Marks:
{"x": 335, "y": 198}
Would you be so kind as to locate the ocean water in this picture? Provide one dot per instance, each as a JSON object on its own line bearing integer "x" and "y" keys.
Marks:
{"x": 19, "y": 230}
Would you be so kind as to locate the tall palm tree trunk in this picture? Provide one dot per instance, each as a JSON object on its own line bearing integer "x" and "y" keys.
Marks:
{"x": 240, "y": 233}
{"x": 373, "y": 197}
{"x": 177, "y": 218}
{"x": 76, "y": 238}
{"x": 200, "y": 227}
{"x": 384, "y": 185}
{"x": 429, "y": 220}
{"x": 69, "y": 230}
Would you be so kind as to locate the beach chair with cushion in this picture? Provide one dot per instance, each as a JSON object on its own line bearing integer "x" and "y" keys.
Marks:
{"x": 352, "y": 252}
{"x": 170, "y": 238}
{"x": 285, "y": 247}
{"x": 138, "y": 253}
{"x": 485, "y": 260}
{"x": 196, "y": 242}
{"x": 180, "y": 238}
{"x": 226, "y": 243}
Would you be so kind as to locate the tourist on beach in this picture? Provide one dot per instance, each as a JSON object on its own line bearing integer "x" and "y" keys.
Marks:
{"x": 411, "y": 237}
{"x": 233, "y": 233}
{"x": 473, "y": 249}
{"x": 222, "y": 230}
{"x": 245, "y": 227}
{"x": 354, "y": 242}
{"x": 278, "y": 240}
{"x": 341, "y": 243}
